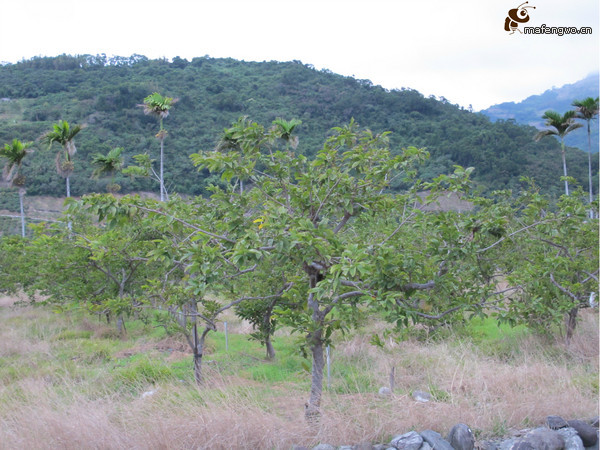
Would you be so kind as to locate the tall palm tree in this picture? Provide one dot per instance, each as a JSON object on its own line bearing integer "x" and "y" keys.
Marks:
{"x": 64, "y": 134}
{"x": 108, "y": 164}
{"x": 587, "y": 110}
{"x": 159, "y": 106}
{"x": 559, "y": 126}
{"x": 14, "y": 153}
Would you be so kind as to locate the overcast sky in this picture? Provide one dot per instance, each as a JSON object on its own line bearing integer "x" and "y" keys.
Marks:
{"x": 452, "y": 48}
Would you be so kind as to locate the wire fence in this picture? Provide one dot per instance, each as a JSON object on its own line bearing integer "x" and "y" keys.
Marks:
{"x": 10, "y": 224}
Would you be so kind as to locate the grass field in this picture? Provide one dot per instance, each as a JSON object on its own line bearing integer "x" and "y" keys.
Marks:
{"x": 68, "y": 381}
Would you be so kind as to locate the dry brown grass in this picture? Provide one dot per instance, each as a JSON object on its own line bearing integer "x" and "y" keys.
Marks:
{"x": 491, "y": 392}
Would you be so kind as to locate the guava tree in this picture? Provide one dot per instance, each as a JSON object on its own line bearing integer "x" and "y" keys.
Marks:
{"x": 97, "y": 266}
{"x": 322, "y": 221}
{"x": 553, "y": 261}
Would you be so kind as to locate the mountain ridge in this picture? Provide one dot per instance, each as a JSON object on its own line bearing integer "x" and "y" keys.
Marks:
{"x": 530, "y": 110}
{"x": 105, "y": 94}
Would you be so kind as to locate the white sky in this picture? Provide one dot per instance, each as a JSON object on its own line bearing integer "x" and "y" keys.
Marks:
{"x": 452, "y": 48}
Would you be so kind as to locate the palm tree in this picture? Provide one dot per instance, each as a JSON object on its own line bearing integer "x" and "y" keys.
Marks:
{"x": 64, "y": 134}
{"x": 159, "y": 106}
{"x": 108, "y": 164}
{"x": 587, "y": 110}
{"x": 284, "y": 130}
{"x": 559, "y": 126}
{"x": 14, "y": 154}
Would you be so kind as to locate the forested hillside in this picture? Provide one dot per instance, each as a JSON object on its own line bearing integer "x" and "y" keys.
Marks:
{"x": 104, "y": 94}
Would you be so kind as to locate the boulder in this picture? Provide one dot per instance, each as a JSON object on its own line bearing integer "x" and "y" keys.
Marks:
{"x": 571, "y": 438}
{"x": 556, "y": 422}
{"x": 587, "y": 433}
{"x": 435, "y": 440}
{"x": 540, "y": 439}
{"x": 407, "y": 441}
{"x": 324, "y": 447}
{"x": 461, "y": 437}
{"x": 421, "y": 396}
{"x": 385, "y": 391}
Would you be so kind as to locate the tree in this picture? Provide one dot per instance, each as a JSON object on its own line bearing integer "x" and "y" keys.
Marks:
{"x": 556, "y": 271}
{"x": 560, "y": 126}
{"x": 159, "y": 106}
{"x": 14, "y": 153}
{"x": 587, "y": 110}
{"x": 64, "y": 134}
{"x": 108, "y": 164}
{"x": 320, "y": 221}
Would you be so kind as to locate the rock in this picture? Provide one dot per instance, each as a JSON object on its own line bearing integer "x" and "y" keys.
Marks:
{"x": 382, "y": 447}
{"x": 435, "y": 440}
{"x": 361, "y": 446}
{"x": 421, "y": 396}
{"x": 587, "y": 433}
{"x": 556, "y": 422}
{"x": 540, "y": 439}
{"x": 407, "y": 441}
{"x": 385, "y": 391}
{"x": 507, "y": 445}
{"x": 571, "y": 438}
{"x": 324, "y": 447}
{"x": 461, "y": 437}
{"x": 426, "y": 446}
{"x": 594, "y": 422}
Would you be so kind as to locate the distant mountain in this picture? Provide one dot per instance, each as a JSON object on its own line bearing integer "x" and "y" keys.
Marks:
{"x": 531, "y": 110}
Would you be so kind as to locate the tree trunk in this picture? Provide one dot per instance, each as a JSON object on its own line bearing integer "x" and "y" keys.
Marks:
{"x": 69, "y": 224}
{"x": 571, "y": 323}
{"x": 198, "y": 353}
{"x": 312, "y": 411}
{"x": 162, "y": 180}
{"x": 21, "y": 195}
{"x": 564, "y": 161}
{"x": 270, "y": 349}
{"x": 121, "y": 324}
{"x": 590, "y": 169}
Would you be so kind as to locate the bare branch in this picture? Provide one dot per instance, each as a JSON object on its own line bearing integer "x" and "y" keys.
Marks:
{"x": 511, "y": 235}
{"x": 563, "y": 289}
{"x": 187, "y": 224}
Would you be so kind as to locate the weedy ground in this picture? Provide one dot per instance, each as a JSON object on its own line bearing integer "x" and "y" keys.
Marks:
{"x": 69, "y": 381}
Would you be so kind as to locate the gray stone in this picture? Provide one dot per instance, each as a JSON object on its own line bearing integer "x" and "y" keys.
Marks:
{"x": 426, "y": 446}
{"x": 347, "y": 447}
{"x": 507, "y": 445}
{"x": 362, "y": 446}
{"x": 407, "y": 441}
{"x": 587, "y": 433}
{"x": 540, "y": 439}
{"x": 324, "y": 447}
{"x": 421, "y": 396}
{"x": 571, "y": 438}
{"x": 382, "y": 447}
{"x": 435, "y": 440}
{"x": 461, "y": 437}
{"x": 594, "y": 422}
{"x": 556, "y": 422}
{"x": 385, "y": 391}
